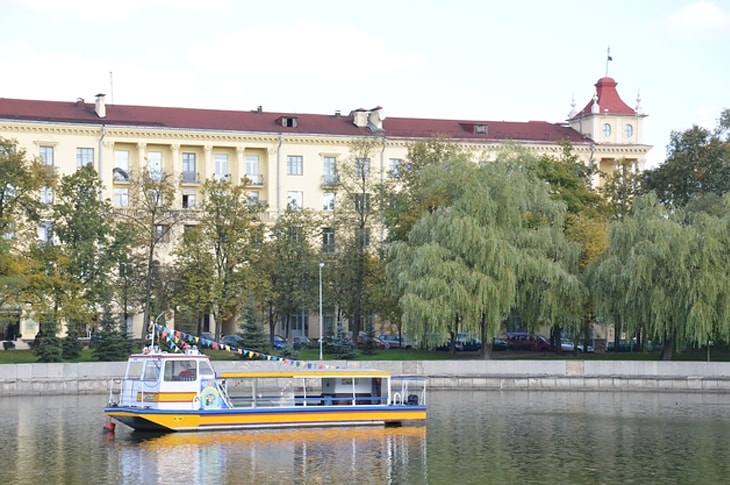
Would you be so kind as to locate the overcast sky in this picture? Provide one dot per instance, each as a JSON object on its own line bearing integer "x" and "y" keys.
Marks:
{"x": 519, "y": 60}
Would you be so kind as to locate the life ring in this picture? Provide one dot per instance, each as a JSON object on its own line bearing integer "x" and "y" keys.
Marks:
{"x": 210, "y": 398}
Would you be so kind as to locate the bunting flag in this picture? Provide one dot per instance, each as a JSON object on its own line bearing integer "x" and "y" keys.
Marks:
{"x": 176, "y": 340}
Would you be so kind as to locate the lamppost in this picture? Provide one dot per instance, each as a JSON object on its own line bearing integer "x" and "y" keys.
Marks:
{"x": 153, "y": 328}
{"x": 321, "y": 323}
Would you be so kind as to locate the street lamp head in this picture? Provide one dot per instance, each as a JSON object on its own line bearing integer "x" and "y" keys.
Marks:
{"x": 321, "y": 264}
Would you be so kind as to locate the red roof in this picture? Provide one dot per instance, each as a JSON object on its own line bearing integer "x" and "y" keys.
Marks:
{"x": 268, "y": 122}
{"x": 608, "y": 100}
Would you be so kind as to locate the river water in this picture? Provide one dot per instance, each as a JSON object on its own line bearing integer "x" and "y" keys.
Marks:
{"x": 481, "y": 437}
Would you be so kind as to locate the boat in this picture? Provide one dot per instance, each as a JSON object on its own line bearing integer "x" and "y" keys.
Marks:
{"x": 169, "y": 391}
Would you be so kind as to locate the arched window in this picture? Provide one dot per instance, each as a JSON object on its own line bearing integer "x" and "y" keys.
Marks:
{"x": 606, "y": 129}
{"x": 628, "y": 130}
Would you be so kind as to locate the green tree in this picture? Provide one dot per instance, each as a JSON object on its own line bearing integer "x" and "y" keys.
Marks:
{"x": 231, "y": 232}
{"x": 415, "y": 188}
{"x": 291, "y": 263}
{"x": 253, "y": 337}
{"x": 664, "y": 275}
{"x": 495, "y": 244}
{"x": 697, "y": 164}
{"x": 113, "y": 344}
{"x": 358, "y": 222}
{"x": 21, "y": 209}
{"x": 152, "y": 219}
{"x": 621, "y": 187}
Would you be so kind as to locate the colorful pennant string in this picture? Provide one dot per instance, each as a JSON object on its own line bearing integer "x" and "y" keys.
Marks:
{"x": 180, "y": 341}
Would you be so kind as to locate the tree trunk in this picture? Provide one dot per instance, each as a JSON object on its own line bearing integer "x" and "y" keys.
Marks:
{"x": 667, "y": 349}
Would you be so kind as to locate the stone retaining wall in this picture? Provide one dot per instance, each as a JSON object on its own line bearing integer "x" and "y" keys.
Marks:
{"x": 566, "y": 375}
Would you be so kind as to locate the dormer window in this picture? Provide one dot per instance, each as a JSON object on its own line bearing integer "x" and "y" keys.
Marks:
{"x": 481, "y": 129}
{"x": 289, "y": 121}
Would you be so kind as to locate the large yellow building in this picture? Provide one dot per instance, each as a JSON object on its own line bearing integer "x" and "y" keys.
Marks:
{"x": 288, "y": 157}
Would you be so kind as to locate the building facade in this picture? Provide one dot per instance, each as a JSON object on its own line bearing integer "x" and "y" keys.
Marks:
{"x": 288, "y": 158}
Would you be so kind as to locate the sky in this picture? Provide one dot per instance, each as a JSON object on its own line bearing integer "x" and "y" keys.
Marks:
{"x": 519, "y": 60}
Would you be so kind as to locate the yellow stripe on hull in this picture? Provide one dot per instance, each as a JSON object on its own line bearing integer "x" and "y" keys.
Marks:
{"x": 231, "y": 420}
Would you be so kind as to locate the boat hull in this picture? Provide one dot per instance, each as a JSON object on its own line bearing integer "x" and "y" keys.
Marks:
{"x": 146, "y": 419}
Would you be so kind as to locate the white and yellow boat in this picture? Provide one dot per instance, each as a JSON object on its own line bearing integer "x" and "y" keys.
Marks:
{"x": 164, "y": 391}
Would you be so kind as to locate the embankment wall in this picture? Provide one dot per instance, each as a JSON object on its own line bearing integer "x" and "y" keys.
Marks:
{"x": 560, "y": 375}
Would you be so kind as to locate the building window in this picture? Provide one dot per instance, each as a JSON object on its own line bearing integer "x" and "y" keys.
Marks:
{"x": 328, "y": 240}
{"x": 295, "y": 200}
{"x": 606, "y": 129}
{"x": 364, "y": 237}
{"x": 45, "y": 232}
{"x": 46, "y": 154}
{"x": 189, "y": 174}
{"x": 162, "y": 233}
{"x": 294, "y": 165}
{"x": 253, "y": 172}
{"x": 188, "y": 201}
{"x": 362, "y": 167}
{"x": 46, "y": 195}
{"x": 394, "y": 167}
{"x": 329, "y": 170}
{"x": 253, "y": 197}
{"x": 362, "y": 203}
{"x": 121, "y": 197}
{"x": 221, "y": 166}
{"x": 121, "y": 166}
{"x": 328, "y": 201}
{"x": 84, "y": 156}
{"x": 155, "y": 197}
{"x": 154, "y": 160}
{"x": 628, "y": 130}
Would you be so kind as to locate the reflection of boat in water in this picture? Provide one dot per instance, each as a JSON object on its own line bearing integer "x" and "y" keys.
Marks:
{"x": 181, "y": 392}
{"x": 312, "y": 455}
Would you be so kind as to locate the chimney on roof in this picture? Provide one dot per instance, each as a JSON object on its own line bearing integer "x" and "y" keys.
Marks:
{"x": 100, "y": 106}
{"x": 259, "y": 109}
{"x": 337, "y": 113}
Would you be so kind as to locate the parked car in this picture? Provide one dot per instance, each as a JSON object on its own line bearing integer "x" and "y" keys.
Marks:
{"x": 365, "y": 340}
{"x": 585, "y": 348}
{"x": 500, "y": 344}
{"x": 280, "y": 342}
{"x": 396, "y": 342}
{"x": 566, "y": 345}
{"x": 464, "y": 342}
{"x": 304, "y": 342}
{"x": 529, "y": 342}
{"x": 232, "y": 340}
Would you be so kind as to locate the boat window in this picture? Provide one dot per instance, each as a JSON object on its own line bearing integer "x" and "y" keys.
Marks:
{"x": 152, "y": 370}
{"x": 180, "y": 370}
{"x": 206, "y": 369}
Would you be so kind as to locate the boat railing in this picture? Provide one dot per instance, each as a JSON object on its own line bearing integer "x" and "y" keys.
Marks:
{"x": 315, "y": 400}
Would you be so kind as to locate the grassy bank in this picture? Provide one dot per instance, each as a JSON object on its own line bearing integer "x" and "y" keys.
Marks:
{"x": 717, "y": 354}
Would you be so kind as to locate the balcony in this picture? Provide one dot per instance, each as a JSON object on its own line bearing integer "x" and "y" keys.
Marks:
{"x": 190, "y": 177}
{"x": 255, "y": 178}
{"x": 330, "y": 180}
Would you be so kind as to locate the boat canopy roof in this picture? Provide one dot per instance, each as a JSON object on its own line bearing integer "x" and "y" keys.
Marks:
{"x": 314, "y": 373}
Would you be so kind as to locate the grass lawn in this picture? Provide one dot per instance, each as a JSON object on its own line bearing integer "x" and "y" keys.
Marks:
{"x": 717, "y": 354}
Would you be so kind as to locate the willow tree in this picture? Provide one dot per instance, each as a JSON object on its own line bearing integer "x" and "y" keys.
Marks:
{"x": 495, "y": 244}
{"x": 664, "y": 275}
